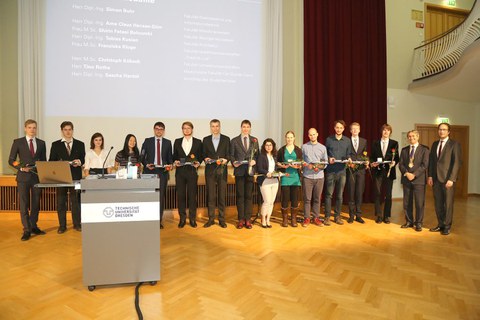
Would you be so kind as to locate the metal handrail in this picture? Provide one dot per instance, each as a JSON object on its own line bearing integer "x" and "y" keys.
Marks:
{"x": 442, "y": 53}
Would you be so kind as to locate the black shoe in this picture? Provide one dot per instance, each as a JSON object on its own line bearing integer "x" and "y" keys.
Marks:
{"x": 161, "y": 225}
{"x": 61, "y": 230}
{"x": 37, "y": 231}
{"x": 407, "y": 225}
{"x": 350, "y": 219}
{"x": 78, "y": 228}
{"x": 269, "y": 225}
{"x": 209, "y": 224}
{"x": 264, "y": 226}
{"x": 378, "y": 220}
{"x": 193, "y": 223}
{"x": 25, "y": 236}
{"x": 359, "y": 219}
{"x": 386, "y": 220}
{"x": 436, "y": 229}
{"x": 222, "y": 224}
{"x": 445, "y": 232}
{"x": 181, "y": 224}
{"x": 418, "y": 227}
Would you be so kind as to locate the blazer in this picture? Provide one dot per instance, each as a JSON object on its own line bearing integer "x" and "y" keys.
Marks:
{"x": 148, "y": 153}
{"x": 223, "y": 151}
{"x": 420, "y": 164}
{"x": 179, "y": 153}
{"x": 58, "y": 152}
{"x": 238, "y": 153}
{"x": 262, "y": 167}
{"x": 358, "y": 155}
{"x": 377, "y": 153}
{"x": 21, "y": 148}
{"x": 448, "y": 165}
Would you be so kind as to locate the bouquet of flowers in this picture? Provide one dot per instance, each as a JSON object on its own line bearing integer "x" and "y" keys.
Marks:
{"x": 360, "y": 163}
{"x": 19, "y": 165}
{"x": 316, "y": 166}
{"x": 252, "y": 154}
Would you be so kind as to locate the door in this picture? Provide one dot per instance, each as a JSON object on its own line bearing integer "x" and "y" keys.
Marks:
{"x": 440, "y": 19}
{"x": 429, "y": 134}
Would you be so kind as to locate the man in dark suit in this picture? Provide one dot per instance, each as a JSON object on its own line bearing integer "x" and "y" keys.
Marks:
{"x": 444, "y": 166}
{"x": 216, "y": 150}
{"x": 413, "y": 166}
{"x": 356, "y": 174}
{"x": 72, "y": 150}
{"x": 243, "y": 153}
{"x": 384, "y": 150}
{"x": 187, "y": 154}
{"x": 28, "y": 149}
{"x": 157, "y": 158}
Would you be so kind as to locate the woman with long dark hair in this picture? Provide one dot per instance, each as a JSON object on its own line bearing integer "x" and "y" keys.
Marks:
{"x": 96, "y": 155}
{"x": 266, "y": 164}
{"x": 129, "y": 152}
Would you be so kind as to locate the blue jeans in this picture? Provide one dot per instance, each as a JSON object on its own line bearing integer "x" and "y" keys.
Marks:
{"x": 335, "y": 181}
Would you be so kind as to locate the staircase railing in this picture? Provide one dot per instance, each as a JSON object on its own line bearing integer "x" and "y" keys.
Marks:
{"x": 441, "y": 53}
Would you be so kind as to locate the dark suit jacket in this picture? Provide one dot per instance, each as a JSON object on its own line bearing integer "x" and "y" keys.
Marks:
{"x": 377, "y": 153}
{"x": 448, "y": 165}
{"x": 420, "y": 164}
{"x": 59, "y": 152}
{"x": 179, "y": 154}
{"x": 223, "y": 151}
{"x": 262, "y": 167}
{"x": 238, "y": 153}
{"x": 148, "y": 153}
{"x": 21, "y": 148}
{"x": 358, "y": 155}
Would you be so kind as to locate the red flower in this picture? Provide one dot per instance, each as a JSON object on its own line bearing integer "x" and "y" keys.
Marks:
{"x": 16, "y": 163}
{"x": 287, "y": 174}
{"x": 219, "y": 162}
{"x": 305, "y": 164}
{"x": 315, "y": 169}
{"x": 168, "y": 168}
{"x": 393, "y": 150}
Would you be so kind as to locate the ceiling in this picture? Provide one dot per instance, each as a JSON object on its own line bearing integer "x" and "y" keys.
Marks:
{"x": 461, "y": 82}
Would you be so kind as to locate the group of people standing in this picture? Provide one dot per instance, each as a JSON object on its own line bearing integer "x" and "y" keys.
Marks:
{"x": 341, "y": 162}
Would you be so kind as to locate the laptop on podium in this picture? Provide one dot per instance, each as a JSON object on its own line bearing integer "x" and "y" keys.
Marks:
{"x": 54, "y": 172}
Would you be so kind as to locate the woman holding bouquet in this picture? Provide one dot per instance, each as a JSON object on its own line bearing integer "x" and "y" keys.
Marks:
{"x": 266, "y": 164}
{"x": 289, "y": 158}
{"x": 129, "y": 153}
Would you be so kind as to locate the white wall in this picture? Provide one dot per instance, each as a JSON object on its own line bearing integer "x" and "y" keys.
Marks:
{"x": 402, "y": 38}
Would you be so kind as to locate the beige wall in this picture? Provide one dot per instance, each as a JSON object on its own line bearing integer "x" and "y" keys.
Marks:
{"x": 8, "y": 81}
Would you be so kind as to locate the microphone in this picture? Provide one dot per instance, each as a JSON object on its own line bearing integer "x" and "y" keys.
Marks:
{"x": 105, "y": 161}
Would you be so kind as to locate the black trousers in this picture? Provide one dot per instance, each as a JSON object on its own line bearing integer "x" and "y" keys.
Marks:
{"x": 244, "y": 192}
{"x": 382, "y": 182}
{"x": 443, "y": 199}
{"x": 411, "y": 192}
{"x": 29, "y": 199}
{"x": 290, "y": 194}
{"x": 163, "y": 192}
{"x": 62, "y": 206}
{"x": 216, "y": 191}
{"x": 186, "y": 180}
{"x": 355, "y": 188}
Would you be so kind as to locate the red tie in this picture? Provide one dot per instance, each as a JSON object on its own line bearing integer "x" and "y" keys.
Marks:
{"x": 159, "y": 158}
{"x": 440, "y": 149}
{"x": 32, "y": 150}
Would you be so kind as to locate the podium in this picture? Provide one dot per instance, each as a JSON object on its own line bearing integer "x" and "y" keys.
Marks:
{"x": 120, "y": 231}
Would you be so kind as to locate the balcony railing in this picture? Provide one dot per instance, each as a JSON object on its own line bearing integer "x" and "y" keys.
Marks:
{"x": 442, "y": 52}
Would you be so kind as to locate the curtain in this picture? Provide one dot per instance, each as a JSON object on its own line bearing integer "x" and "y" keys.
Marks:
{"x": 30, "y": 62}
{"x": 345, "y": 66}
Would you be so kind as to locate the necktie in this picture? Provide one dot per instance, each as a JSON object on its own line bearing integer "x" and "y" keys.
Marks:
{"x": 245, "y": 143}
{"x": 384, "y": 148}
{"x": 440, "y": 149}
{"x": 355, "y": 144}
{"x": 412, "y": 151}
{"x": 69, "y": 150}
{"x": 32, "y": 151}
{"x": 159, "y": 157}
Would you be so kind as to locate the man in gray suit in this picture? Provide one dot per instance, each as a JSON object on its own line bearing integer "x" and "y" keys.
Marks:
{"x": 444, "y": 166}
{"x": 413, "y": 166}
{"x": 28, "y": 149}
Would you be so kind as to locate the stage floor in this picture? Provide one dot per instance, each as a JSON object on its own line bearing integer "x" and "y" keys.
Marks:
{"x": 352, "y": 271}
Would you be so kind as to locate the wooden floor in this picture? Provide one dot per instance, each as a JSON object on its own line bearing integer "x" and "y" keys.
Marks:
{"x": 339, "y": 272}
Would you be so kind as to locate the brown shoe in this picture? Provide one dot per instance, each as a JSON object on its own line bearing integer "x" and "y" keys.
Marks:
{"x": 284, "y": 218}
{"x": 294, "y": 212}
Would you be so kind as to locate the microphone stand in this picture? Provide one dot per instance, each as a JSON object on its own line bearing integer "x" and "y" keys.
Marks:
{"x": 103, "y": 165}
